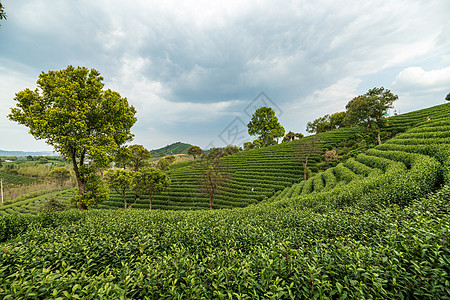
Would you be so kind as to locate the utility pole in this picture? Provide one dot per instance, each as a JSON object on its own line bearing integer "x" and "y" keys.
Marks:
{"x": 1, "y": 184}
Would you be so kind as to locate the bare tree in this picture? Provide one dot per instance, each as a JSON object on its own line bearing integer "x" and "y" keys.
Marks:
{"x": 214, "y": 174}
{"x": 303, "y": 152}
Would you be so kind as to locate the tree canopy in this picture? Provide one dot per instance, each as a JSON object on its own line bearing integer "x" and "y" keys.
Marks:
{"x": 60, "y": 175}
{"x": 138, "y": 156}
{"x": 447, "y": 97}
{"x": 71, "y": 111}
{"x": 195, "y": 151}
{"x": 150, "y": 181}
{"x": 327, "y": 122}
{"x": 369, "y": 109}
{"x": 265, "y": 125}
{"x": 119, "y": 180}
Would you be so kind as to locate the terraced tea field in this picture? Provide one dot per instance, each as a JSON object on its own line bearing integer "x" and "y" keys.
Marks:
{"x": 375, "y": 226}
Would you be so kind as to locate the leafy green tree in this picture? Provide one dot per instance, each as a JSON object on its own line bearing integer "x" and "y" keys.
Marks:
{"x": 139, "y": 156}
{"x": 95, "y": 190}
{"x": 195, "y": 151}
{"x": 150, "y": 181}
{"x": 163, "y": 164}
{"x": 60, "y": 175}
{"x": 319, "y": 125}
{"x": 447, "y": 97}
{"x": 369, "y": 109}
{"x": 338, "y": 120}
{"x": 30, "y": 158}
{"x": 292, "y": 136}
{"x": 265, "y": 124}
{"x": 248, "y": 146}
{"x": 214, "y": 174}
{"x": 71, "y": 111}
{"x": 120, "y": 180}
{"x": 257, "y": 143}
{"x": 170, "y": 159}
{"x": 122, "y": 157}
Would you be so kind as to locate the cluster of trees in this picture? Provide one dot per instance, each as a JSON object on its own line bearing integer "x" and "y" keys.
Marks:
{"x": 71, "y": 111}
{"x": 366, "y": 110}
{"x": 148, "y": 180}
{"x": 327, "y": 122}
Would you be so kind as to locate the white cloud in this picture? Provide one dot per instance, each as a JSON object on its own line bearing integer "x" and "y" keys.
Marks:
{"x": 414, "y": 79}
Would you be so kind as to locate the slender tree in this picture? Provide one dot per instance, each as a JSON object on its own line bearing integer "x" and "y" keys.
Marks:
{"x": 214, "y": 174}
{"x": 120, "y": 181}
{"x": 71, "y": 111}
{"x": 150, "y": 181}
{"x": 303, "y": 151}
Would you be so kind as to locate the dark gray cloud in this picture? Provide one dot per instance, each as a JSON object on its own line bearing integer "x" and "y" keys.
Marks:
{"x": 193, "y": 65}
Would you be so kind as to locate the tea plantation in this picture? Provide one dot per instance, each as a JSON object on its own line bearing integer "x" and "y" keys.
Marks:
{"x": 375, "y": 226}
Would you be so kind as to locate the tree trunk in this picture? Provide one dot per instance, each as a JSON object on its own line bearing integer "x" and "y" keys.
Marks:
{"x": 305, "y": 166}
{"x": 378, "y": 136}
{"x": 81, "y": 184}
{"x": 211, "y": 200}
{"x": 125, "y": 200}
{"x": 150, "y": 201}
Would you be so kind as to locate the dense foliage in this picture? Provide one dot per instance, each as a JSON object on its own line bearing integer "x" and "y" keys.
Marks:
{"x": 375, "y": 226}
{"x": 71, "y": 112}
{"x": 265, "y": 125}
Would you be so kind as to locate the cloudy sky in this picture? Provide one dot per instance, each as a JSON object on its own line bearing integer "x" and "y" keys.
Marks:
{"x": 196, "y": 70}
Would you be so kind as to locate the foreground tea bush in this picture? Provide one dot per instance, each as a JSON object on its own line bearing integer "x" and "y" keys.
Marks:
{"x": 261, "y": 251}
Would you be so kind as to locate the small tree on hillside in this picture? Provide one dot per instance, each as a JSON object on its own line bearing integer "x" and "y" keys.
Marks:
{"x": 163, "y": 164}
{"x": 120, "y": 181}
{"x": 265, "y": 124}
{"x": 369, "y": 109}
{"x": 303, "y": 152}
{"x": 138, "y": 156}
{"x": 214, "y": 174}
{"x": 248, "y": 146}
{"x": 150, "y": 181}
{"x": 195, "y": 151}
{"x": 60, "y": 175}
{"x": 319, "y": 125}
{"x": 338, "y": 120}
{"x": 122, "y": 157}
{"x": 447, "y": 97}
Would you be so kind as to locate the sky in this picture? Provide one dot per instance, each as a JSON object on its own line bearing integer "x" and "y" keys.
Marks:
{"x": 197, "y": 70}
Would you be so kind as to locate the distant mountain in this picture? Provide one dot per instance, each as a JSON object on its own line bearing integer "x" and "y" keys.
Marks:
{"x": 176, "y": 148}
{"x": 25, "y": 153}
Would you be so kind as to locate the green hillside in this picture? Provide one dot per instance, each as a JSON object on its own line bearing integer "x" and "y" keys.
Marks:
{"x": 374, "y": 226}
{"x": 175, "y": 148}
